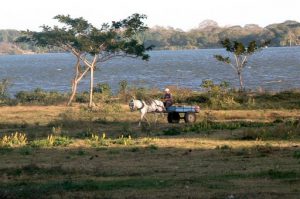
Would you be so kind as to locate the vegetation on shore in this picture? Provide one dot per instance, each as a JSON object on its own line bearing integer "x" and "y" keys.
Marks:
{"x": 207, "y": 35}
{"x": 213, "y": 96}
{"x": 244, "y": 144}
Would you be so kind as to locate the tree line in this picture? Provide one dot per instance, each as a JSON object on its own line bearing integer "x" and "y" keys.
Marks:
{"x": 207, "y": 35}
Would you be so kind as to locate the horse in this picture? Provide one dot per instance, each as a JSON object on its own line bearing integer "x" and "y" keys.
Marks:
{"x": 154, "y": 106}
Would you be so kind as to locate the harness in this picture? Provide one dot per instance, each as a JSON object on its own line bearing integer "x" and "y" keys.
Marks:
{"x": 143, "y": 105}
{"x": 163, "y": 107}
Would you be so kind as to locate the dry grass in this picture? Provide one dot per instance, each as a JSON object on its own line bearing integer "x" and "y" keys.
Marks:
{"x": 189, "y": 165}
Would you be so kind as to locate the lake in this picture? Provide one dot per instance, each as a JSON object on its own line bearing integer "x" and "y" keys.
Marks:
{"x": 272, "y": 69}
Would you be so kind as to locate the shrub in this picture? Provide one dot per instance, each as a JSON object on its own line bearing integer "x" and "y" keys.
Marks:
{"x": 141, "y": 94}
{"x": 82, "y": 97}
{"x": 123, "y": 91}
{"x": 51, "y": 141}
{"x": 95, "y": 140}
{"x": 39, "y": 96}
{"x": 219, "y": 95}
{"x": 123, "y": 140}
{"x": 123, "y": 85}
{"x": 14, "y": 140}
{"x": 103, "y": 88}
{"x": 4, "y": 84}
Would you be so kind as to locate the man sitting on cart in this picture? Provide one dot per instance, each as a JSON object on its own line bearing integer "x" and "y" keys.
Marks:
{"x": 168, "y": 98}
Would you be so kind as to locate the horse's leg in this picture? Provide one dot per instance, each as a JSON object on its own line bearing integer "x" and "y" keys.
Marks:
{"x": 155, "y": 118}
{"x": 142, "y": 116}
{"x": 147, "y": 120}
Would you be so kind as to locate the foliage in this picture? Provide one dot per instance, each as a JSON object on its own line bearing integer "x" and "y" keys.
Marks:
{"x": 51, "y": 141}
{"x": 4, "y": 85}
{"x": 241, "y": 53}
{"x": 123, "y": 140}
{"x": 13, "y": 140}
{"x": 40, "y": 96}
{"x": 103, "y": 88}
{"x": 123, "y": 91}
{"x": 123, "y": 86}
{"x": 207, "y": 36}
{"x": 95, "y": 140}
{"x": 77, "y": 35}
{"x": 281, "y": 131}
{"x": 219, "y": 95}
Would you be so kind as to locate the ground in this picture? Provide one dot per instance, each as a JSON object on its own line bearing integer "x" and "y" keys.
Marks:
{"x": 102, "y": 153}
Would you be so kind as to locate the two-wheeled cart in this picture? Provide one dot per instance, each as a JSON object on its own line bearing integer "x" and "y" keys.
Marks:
{"x": 188, "y": 113}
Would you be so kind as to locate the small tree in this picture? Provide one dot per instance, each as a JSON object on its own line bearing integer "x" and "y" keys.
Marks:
{"x": 240, "y": 53}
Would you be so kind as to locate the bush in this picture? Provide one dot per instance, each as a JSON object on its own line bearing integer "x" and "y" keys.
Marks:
{"x": 219, "y": 95}
{"x": 96, "y": 141}
{"x": 39, "y": 96}
{"x": 4, "y": 84}
{"x": 14, "y": 140}
{"x": 103, "y": 88}
{"x": 82, "y": 97}
{"x": 123, "y": 86}
{"x": 51, "y": 141}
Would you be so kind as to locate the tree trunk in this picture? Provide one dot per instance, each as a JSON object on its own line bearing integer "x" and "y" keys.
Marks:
{"x": 241, "y": 81}
{"x": 92, "y": 68}
{"x": 91, "y": 87}
{"x": 74, "y": 82}
{"x": 74, "y": 90}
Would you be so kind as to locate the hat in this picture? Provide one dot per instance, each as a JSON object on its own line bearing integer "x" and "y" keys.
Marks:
{"x": 167, "y": 90}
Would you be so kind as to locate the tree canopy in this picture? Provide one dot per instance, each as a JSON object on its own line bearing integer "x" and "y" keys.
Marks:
{"x": 77, "y": 35}
{"x": 240, "y": 52}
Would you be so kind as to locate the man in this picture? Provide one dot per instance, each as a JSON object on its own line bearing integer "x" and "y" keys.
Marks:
{"x": 168, "y": 98}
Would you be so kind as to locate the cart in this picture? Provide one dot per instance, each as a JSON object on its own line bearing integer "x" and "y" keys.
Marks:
{"x": 189, "y": 113}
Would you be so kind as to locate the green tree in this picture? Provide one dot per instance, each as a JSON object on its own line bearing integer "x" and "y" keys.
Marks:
{"x": 92, "y": 45}
{"x": 241, "y": 54}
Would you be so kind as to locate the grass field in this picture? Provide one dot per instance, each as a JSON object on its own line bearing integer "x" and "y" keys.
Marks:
{"x": 74, "y": 152}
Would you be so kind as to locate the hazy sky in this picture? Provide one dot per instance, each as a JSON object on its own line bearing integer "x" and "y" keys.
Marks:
{"x": 184, "y": 14}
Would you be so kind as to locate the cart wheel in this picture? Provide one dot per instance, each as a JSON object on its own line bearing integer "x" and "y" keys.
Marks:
{"x": 173, "y": 117}
{"x": 190, "y": 117}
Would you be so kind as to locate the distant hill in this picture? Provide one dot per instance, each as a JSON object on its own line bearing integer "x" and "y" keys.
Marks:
{"x": 207, "y": 35}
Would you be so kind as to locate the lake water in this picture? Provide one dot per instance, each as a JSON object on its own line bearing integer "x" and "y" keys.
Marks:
{"x": 272, "y": 69}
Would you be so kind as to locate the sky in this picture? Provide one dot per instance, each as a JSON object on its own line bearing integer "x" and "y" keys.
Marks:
{"x": 183, "y": 14}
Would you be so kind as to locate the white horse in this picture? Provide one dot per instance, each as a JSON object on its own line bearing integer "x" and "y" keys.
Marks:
{"x": 155, "y": 106}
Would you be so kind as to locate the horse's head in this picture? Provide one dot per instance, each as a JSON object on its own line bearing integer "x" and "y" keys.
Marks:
{"x": 132, "y": 105}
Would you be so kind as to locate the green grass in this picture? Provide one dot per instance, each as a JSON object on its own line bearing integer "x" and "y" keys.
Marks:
{"x": 31, "y": 190}
{"x": 209, "y": 159}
